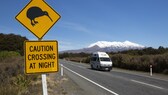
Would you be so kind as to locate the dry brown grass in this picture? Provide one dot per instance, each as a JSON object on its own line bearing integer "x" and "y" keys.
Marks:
{"x": 13, "y": 81}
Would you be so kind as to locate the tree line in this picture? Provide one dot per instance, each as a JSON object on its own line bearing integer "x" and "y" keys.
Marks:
{"x": 12, "y": 42}
{"x": 131, "y": 59}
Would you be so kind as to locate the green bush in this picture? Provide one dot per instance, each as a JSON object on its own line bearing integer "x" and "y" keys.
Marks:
{"x": 86, "y": 60}
{"x": 12, "y": 42}
{"x": 160, "y": 63}
{"x": 133, "y": 60}
{"x": 165, "y": 71}
{"x": 141, "y": 63}
{"x": 13, "y": 81}
{"x": 7, "y": 54}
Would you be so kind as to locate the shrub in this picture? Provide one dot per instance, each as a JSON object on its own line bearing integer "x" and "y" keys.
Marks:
{"x": 86, "y": 60}
{"x": 12, "y": 78}
{"x": 165, "y": 71}
{"x": 7, "y": 54}
{"x": 12, "y": 42}
{"x": 132, "y": 60}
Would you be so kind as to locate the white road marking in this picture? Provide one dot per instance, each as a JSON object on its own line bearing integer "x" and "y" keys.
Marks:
{"x": 91, "y": 81}
{"x": 147, "y": 84}
{"x": 143, "y": 76}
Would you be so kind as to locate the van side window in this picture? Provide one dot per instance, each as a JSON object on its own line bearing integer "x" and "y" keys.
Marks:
{"x": 105, "y": 59}
{"x": 97, "y": 59}
{"x": 95, "y": 54}
{"x": 93, "y": 59}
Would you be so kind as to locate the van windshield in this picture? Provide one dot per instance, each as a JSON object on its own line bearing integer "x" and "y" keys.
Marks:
{"x": 104, "y": 59}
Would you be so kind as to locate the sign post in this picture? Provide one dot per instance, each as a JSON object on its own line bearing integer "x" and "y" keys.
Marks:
{"x": 44, "y": 81}
{"x": 44, "y": 84}
{"x": 40, "y": 56}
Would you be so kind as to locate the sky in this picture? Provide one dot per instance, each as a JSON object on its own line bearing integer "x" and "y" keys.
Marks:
{"x": 84, "y": 22}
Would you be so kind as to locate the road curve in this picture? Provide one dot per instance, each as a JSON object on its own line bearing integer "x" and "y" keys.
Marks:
{"x": 113, "y": 83}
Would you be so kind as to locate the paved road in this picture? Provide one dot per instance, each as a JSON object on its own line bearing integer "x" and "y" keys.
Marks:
{"x": 95, "y": 82}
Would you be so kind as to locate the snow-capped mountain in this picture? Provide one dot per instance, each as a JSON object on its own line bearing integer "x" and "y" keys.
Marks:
{"x": 126, "y": 44}
{"x": 106, "y": 46}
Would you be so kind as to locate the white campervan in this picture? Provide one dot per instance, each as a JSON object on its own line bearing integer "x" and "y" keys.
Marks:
{"x": 100, "y": 61}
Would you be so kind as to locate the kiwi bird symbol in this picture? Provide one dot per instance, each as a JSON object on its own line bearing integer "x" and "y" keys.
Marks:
{"x": 34, "y": 12}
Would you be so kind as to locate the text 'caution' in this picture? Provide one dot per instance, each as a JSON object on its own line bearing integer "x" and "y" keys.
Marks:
{"x": 41, "y": 56}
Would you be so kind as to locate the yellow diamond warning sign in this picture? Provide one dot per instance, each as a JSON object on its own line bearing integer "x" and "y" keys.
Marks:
{"x": 38, "y": 17}
{"x": 41, "y": 56}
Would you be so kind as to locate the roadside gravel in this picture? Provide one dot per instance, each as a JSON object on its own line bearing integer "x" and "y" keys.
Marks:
{"x": 62, "y": 85}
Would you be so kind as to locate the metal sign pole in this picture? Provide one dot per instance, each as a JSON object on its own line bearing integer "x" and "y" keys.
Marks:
{"x": 62, "y": 71}
{"x": 44, "y": 84}
{"x": 44, "y": 80}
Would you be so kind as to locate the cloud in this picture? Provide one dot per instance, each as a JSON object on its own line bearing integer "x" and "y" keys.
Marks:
{"x": 76, "y": 27}
{"x": 63, "y": 45}
{"x": 95, "y": 34}
{"x": 81, "y": 28}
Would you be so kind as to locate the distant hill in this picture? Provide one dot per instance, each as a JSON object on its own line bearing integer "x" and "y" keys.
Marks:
{"x": 106, "y": 46}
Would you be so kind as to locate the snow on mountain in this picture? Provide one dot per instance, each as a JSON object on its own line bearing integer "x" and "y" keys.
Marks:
{"x": 106, "y": 46}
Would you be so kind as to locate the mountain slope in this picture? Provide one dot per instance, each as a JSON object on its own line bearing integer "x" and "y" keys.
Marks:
{"x": 106, "y": 46}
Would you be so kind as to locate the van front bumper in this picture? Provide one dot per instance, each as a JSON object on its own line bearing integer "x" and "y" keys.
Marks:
{"x": 106, "y": 67}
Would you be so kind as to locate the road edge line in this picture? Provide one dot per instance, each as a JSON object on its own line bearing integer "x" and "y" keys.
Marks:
{"x": 91, "y": 81}
{"x": 147, "y": 84}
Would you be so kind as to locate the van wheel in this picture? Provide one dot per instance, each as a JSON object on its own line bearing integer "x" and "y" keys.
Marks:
{"x": 91, "y": 66}
{"x": 98, "y": 67}
{"x": 109, "y": 70}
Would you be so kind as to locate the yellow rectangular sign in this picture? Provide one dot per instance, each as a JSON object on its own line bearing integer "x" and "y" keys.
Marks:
{"x": 41, "y": 56}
